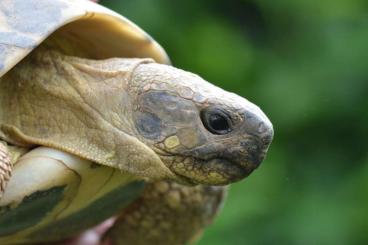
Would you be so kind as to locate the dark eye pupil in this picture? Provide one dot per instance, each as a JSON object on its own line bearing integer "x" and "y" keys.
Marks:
{"x": 218, "y": 122}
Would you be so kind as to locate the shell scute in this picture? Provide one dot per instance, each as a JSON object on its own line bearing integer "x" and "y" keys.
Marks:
{"x": 26, "y": 24}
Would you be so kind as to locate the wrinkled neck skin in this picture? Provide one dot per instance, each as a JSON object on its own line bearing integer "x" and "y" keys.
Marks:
{"x": 79, "y": 106}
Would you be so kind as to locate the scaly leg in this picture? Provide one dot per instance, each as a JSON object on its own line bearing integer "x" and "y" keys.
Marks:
{"x": 5, "y": 167}
{"x": 167, "y": 213}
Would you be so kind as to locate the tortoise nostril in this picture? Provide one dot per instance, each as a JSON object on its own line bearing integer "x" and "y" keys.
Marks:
{"x": 262, "y": 127}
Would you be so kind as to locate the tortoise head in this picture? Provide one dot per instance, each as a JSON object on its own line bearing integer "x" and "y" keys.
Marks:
{"x": 202, "y": 133}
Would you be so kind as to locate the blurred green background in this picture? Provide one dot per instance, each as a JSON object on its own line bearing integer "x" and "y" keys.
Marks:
{"x": 305, "y": 63}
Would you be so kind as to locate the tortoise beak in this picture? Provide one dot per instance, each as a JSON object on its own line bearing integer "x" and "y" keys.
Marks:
{"x": 258, "y": 135}
{"x": 247, "y": 153}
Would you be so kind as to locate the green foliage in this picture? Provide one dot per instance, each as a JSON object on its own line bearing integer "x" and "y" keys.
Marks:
{"x": 305, "y": 63}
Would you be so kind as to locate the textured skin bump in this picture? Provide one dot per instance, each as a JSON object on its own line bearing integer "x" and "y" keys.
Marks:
{"x": 5, "y": 168}
{"x": 167, "y": 213}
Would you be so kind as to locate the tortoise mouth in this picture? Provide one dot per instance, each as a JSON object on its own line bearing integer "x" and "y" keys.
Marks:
{"x": 213, "y": 171}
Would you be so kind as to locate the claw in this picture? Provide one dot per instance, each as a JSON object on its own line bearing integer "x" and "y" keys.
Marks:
{"x": 5, "y": 168}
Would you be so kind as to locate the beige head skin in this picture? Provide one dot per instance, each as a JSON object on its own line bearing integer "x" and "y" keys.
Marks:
{"x": 151, "y": 120}
{"x": 201, "y": 132}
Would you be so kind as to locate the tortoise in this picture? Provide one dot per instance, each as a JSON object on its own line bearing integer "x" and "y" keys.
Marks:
{"x": 96, "y": 123}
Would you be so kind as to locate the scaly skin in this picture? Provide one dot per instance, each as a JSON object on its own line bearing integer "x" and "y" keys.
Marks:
{"x": 180, "y": 212}
{"x": 152, "y": 121}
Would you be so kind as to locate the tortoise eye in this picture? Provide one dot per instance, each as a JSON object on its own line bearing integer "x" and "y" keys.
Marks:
{"x": 216, "y": 120}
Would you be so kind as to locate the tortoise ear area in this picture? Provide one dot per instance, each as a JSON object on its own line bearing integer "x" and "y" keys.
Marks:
{"x": 164, "y": 113}
{"x": 148, "y": 125}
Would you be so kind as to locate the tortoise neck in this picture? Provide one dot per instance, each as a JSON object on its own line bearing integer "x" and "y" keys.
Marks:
{"x": 76, "y": 105}
{"x": 49, "y": 90}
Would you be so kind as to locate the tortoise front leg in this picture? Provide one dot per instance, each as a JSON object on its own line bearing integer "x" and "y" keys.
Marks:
{"x": 167, "y": 213}
{"x": 5, "y": 167}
